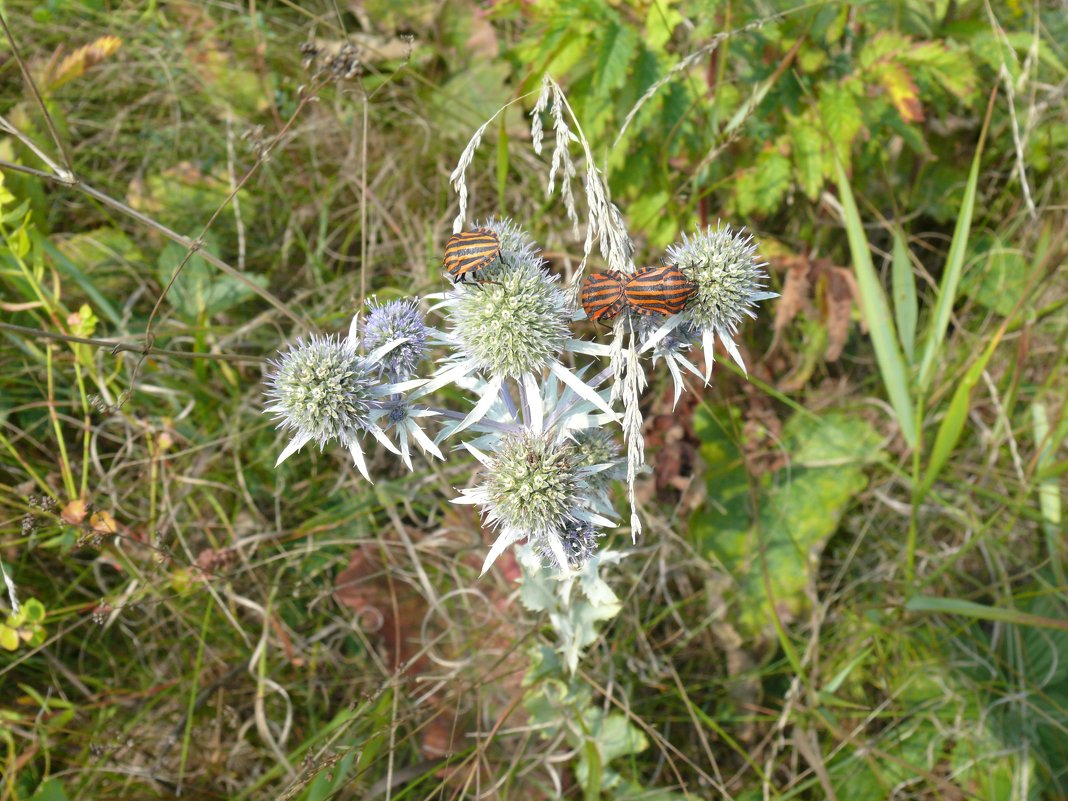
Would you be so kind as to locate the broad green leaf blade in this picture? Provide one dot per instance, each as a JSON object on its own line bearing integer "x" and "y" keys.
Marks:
{"x": 947, "y": 292}
{"x": 955, "y": 606}
{"x": 906, "y": 307}
{"x": 877, "y": 314}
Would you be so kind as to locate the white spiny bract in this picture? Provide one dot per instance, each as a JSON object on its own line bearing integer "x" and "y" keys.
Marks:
{"x": 729, "y": 279}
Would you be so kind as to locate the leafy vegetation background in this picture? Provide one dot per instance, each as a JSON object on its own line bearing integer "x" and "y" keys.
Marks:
{"x": 852, "y": 582}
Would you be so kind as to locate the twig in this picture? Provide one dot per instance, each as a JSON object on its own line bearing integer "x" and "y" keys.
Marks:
{"x": 119, "y": 347}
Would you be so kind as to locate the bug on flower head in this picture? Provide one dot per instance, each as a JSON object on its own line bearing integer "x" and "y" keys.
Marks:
{"x": 470, "y": 251}
{"x": 602, "y": 295}
{"x": 658, "y": 290}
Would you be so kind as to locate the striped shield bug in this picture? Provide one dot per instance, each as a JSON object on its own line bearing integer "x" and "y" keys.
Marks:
{"x": 468, "y": 252}
{"x": 602, "y": 295}
{"x": 657, "y": 290}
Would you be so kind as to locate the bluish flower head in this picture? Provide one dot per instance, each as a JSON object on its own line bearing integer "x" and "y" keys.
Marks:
{"x": 677, "y": 340}
{"x": 728, "y": 275}
{"x": 579, "y": 541}
{"x": 397, "y": 319}
{"x": 321, "y": 390}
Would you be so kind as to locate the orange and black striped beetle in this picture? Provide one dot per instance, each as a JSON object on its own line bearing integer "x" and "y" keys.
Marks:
{"x": 658, "y": 290}
{"x": 602, "y": 295}
{"x": 468, "y": 252}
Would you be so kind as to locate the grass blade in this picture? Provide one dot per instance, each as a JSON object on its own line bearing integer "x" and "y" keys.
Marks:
{"x": 906, "y": 307}
{"x": 956, "y": 416}
{"x": 1049, "y": 493}
{"x": 955, "y": 606}
{"x": 876, "y": 311}
{"x": 947, "y": 292}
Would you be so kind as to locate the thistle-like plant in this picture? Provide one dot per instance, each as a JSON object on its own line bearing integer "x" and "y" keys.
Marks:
{"x": 541, "y": 416}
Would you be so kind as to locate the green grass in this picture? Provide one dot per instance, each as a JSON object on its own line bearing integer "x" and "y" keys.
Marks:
{"x": 852, "y": 587}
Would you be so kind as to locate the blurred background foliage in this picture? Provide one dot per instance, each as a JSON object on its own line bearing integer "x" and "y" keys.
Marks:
{"x": 837, "y": 596}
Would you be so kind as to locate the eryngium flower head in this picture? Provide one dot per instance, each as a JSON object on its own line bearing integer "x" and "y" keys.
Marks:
{"x": 727, "y": 273}
{"x": 533, "y": 484}
{"x": 517, "y": 248}
{"x": 321, "y": 390}
{"x": 597, "y": 446}
{"x": 579, "y": 540}
{"x": 396, "y": 320}
{"x": 515, "y": 326}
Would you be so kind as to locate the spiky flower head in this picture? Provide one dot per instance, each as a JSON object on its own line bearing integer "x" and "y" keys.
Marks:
{"x": 727, "y": 272}
{"x": 597, "y": 446}
{"x": 515, "y": 326}
{"x": 321, "y": 390}
{"x": 397, "y": 319}
{"x": 517, "y": 247}
{"x": 533, "y": 484}
{"x": 578, "y": 541}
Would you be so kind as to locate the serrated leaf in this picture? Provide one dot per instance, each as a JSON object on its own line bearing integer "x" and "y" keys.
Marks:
{"x": 762, "y": 188}
{"x": 807, "y": 153}
{"x": 660, "y": 24}
{"x": 902, "y": 90}
{"x": 613, "y": 58}
{"x": 953, "y": 68}
{"x": 840, "y": 113}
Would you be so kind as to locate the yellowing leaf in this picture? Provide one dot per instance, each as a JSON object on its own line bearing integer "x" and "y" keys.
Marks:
{"x": 103, "y": 522}
{"x": 9, "y": 638}
{"x": 82, "y": 59}
{"x": 902, "y": 90}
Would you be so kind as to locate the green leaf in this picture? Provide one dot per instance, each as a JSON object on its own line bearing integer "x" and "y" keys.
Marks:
{"x": 9, "y": 638}
{"x": 841, "y": 116}
{"x": 617, "y": 49}
{"x": 807, "y": 152}
{"x": 906, "y": 306}
{"x": 876, "y": 312}
{"x": 947, "y": 291}
{"x": 956, "y": 606}
{"x": 794, "y": 515}
{"x": 999, "y": 278}
{"x": 763, "y": 188}
{"x": 200, "y": 289}
{"x": 35, "y": 611}
{"x": 953, "y": 423}
{"x": 50, "y": 790}
{"x": 660, "y": 24}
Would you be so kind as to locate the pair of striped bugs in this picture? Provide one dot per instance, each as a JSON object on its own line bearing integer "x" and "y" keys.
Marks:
{"x": 651, "y": 290}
